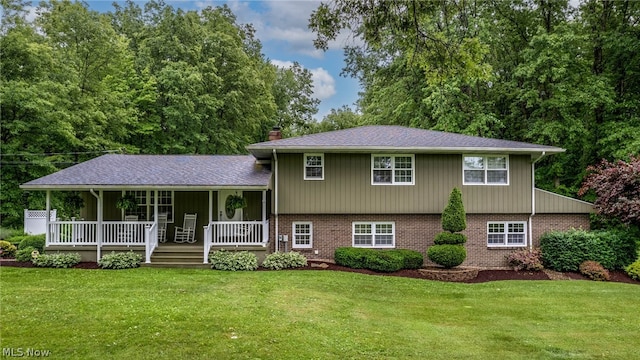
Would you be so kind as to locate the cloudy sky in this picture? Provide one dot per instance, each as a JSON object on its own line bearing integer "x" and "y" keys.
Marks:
{"x": 281, "y": 26}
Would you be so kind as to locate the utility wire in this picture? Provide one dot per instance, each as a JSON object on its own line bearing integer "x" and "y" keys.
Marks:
{"x": 67, "y": 153}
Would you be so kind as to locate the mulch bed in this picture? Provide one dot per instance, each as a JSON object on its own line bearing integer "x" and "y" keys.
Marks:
{"x": 483, "y": 275}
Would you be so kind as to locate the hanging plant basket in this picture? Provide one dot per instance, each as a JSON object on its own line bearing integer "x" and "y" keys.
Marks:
{"x": 235, "y": 202}
{"x": 127, "y": 203}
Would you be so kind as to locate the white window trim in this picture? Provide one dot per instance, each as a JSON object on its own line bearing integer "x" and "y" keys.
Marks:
{"x": 506, "y": 234}
{"x": 304, "y": 167}
{"x": 294, "y": 243}
{"x": 149, "y": 203}
{"x": 485, "y": 183}
{"x": 393, "y": 169}
{"x": 373, "y": 234}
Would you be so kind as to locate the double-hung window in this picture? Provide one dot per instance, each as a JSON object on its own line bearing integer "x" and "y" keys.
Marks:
{"x": 485, "y": 170}
{"x": 302, "y": 235}
{"x": 506, "y": 233}
{"x": 374, "y": 234}
{"x": 392, "y": 169}
{"x": 146, "y": 201}
{"x": 313, "y": 166}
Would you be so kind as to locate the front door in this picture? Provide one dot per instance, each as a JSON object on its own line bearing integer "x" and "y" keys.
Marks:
{"x": 226, "y": 213}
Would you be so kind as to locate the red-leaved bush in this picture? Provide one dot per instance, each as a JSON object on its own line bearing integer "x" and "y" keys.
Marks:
{"x": 527, "y": 260}
{"x": 617, "y": 187}
{"x": 594, "y": 271}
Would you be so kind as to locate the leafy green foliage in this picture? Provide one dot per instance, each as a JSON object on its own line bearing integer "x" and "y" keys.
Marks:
{"x": 123, "y": 260}
{"x": 447, "y": 255}
{"x": 233, "y": 260}
{"x": 59, "y": 260}
{"x": 412, "y": 259}
{"x": 26, "y": 254}
{"x": 36, "y": 241}
{"x": 454, "y": 218}
{"x": 565, "y": 251}
{"x": 287, "y": 260}
{"x": 450, "y": 238}
{"x": 526, "y": 260}
{"x": 378, "y": 260}
{"x": 594, "y": 271}
{"x": 633, "y": 270}
{"x": 8, "y": 249}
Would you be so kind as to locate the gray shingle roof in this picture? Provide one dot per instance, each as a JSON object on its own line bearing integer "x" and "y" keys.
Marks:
{"x": 395, "y": 138}
{"x": 158, "y": 171}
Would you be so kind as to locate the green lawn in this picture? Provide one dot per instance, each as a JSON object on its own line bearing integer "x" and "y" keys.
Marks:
{"x": 189, "y": 314}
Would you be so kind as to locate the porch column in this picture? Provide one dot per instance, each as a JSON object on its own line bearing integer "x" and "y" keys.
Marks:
{"x": 265, "y": 228}
{"x": 47, "y": 218}
{"x": 99, "y": 233}
{"x": 210, "y": 207}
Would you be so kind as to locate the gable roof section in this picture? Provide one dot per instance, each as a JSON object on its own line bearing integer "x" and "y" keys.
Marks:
{"x": 158, "y": 171}
{"x": 551, "y": 203}
{"x": 389, "y": 138}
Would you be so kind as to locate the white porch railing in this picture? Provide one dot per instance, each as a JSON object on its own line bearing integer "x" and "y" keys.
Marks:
{"x": 75, "y": 233}
{"x": 235, "y": 233}
{"x": 151, "y": 234}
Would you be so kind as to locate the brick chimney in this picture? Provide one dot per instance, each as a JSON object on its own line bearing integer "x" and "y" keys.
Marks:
{"x": 275, "y": 134}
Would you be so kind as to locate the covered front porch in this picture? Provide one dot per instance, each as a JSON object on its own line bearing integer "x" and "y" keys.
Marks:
{"x": 137, "y": 202}
{"x": 221, "y": 225}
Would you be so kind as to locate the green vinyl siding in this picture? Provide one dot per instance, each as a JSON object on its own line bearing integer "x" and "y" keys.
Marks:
{"x": 347, "y": 188}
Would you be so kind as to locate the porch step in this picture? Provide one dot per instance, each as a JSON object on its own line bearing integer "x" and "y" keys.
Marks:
{"x": 178, "y": 256}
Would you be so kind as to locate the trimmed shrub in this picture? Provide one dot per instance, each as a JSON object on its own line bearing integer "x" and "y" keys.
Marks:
{"x": 8, "y": 249}
{"x": 278, "y": 260}
{"x": 351, "y": 257}
{"x": 450, "y": 238}
{"x": 412, "y": 259}
{"x": 123, "y": 260}
{"x": 447, "y": 255}
{"x": 527, "y": 260}
{"x": 233, "y": 260}
{"x": 633, "y": 270}
{"x": 56, "y": 260}
{"x": 454, "y": 218}
{"x": 594, "y": 271}
{"x": 566, "y": 250}
{"x": 26, "y": 254}
{"x": 36, "y": 241}
{"x": 382, "y": 260}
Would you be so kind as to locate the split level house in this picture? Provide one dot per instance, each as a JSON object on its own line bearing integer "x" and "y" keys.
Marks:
{"x": 380, "y": 187}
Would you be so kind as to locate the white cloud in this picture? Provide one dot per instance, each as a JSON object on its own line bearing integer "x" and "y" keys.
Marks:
{"x": 324, "y": 85}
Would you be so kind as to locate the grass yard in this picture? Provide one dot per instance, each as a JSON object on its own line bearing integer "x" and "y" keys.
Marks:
{"x": 189, "y": 314}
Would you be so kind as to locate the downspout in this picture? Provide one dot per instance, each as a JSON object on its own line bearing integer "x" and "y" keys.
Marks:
{"x": 99, "y": 225}
{"x": 275, "y": 197}
{"x": 533, "y": 198}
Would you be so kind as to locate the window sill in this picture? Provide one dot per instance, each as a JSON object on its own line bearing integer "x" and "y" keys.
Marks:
{"x": 509, "y": 247}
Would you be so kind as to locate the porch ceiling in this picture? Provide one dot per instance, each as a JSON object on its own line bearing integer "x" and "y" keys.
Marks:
{"x": 183, "y": 172}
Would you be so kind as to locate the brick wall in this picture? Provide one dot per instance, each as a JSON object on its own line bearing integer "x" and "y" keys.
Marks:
{"x": 416, "y": 232}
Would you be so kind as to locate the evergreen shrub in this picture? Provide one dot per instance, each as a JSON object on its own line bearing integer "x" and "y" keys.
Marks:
{"x": 454, "y": 218}
{"x": 382, "y": 260}
{"x": 566, "y": 250}
{"x": 633, "y": 270}
{"x": 449, "y": 238}
{"x": 25, "y": 255}
{"x": 36, "y": 241}
{"x": 447, "y": 255}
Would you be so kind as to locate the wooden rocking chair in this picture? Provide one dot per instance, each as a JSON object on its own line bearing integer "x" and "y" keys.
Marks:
{"x": 186, "y": 233}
